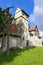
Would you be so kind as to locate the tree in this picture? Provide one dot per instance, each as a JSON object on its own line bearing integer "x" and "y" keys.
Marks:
{"x": 8, "y": 20}
{"x": 5, "y": 21}
{"x": 1, "y": 25}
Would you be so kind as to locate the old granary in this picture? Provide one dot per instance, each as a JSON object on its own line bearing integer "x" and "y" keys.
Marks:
{"x": 21, "y": 35}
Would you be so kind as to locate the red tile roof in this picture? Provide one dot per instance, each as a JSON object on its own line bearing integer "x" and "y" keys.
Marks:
{"x": 32, "y": 28}
{"x": 13, "y": 28}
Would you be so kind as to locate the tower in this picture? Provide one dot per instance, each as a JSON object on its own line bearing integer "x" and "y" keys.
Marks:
{"x": 21, "y": 17}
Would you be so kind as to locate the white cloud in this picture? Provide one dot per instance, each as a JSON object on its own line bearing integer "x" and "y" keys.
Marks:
{"x": 32, "y": 18}
{"x": 37, "y": 15}
{"x": 38, "y": 10}
{"x": 41, "y": 33}
{"x": 38, "y": 3}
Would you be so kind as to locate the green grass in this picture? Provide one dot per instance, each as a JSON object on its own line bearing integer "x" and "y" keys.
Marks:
{"x": 33, "y": 56}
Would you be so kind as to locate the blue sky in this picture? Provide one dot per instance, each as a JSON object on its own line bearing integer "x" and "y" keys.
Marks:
{"x": 33, "y": 7}
{"x": 26, "y": 5}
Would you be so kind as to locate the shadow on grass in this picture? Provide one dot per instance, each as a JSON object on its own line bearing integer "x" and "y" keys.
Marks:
{"x": 12, "y": 55}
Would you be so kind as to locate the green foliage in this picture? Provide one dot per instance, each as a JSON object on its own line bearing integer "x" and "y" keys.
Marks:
{"x": 1, "y": 18}
{"x": 33, "y": 56}
{"x": 5, "y": 20}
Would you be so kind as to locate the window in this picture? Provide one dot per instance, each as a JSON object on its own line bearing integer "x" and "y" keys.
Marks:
{"x": 27, "y": 43}
{"x": 23, "y": 38}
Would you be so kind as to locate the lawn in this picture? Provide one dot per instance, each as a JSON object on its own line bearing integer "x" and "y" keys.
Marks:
{"x": 33, "y": 56}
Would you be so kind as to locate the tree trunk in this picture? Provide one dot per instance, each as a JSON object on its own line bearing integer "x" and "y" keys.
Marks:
{"x": 8, "y": 43}
{"x": 1, "y": 49}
